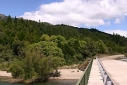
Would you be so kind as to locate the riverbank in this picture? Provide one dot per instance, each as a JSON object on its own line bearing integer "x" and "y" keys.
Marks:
{"x": 4, "y": 76}
{"x": 65, "y": 74}
{"x": 69, "y": 74}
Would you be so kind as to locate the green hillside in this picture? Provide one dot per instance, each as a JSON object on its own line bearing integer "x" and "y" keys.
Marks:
{"x": 27, "y": 47}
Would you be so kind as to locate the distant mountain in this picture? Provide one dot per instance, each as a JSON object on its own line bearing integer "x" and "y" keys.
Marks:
{"x": 2, "y": 16}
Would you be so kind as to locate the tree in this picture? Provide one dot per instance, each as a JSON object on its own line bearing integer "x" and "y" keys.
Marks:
{"x": 9, "y": 19}
{"x": 44, "y": 37}
{"x": 91, "y": 48}
{"x": 18, "y": 47}
{"x": 102, "y": 48}
{"x": 82, "y": 49}
{"x": 46, "y": 48}
{"x": 16, "y": 69}
{"x": 35, "y": 67}
{"x": 57, "y": 62}
{"x": 29, "y": 68}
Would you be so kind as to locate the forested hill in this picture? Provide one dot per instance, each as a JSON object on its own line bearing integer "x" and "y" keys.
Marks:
{"x": 31, "y": 31}
{"x": 31, "y": 50}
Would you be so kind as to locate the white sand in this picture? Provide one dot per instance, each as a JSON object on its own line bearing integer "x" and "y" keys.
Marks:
{"x": 5, "y": 74}
{"x": 69, "y": 74}
{"x": 65, "y": 74}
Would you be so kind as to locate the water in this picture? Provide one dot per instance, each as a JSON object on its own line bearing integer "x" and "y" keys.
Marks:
{"x": 51, "y": 82}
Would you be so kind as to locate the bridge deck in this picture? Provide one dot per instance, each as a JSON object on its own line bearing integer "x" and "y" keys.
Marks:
{"x": 116, "y": 69}
{"x": 95, "y": 76}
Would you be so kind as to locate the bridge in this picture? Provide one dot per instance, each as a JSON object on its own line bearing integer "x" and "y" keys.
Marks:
{"x": 105, "y": 71}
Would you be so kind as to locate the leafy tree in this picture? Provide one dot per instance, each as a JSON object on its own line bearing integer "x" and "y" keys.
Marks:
{"x": 16, "y": 69}
{"x": 47, "y": 48}
{"x": 57, "y": 62}
{"x": 44, "y": 37}
{"x": 91, "y": 48}
{"x": 102, "y": 48}
{"x": 18, "y": 47}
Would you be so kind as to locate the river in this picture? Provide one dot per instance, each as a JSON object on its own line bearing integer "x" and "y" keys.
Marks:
{"x": 50, "y": 82}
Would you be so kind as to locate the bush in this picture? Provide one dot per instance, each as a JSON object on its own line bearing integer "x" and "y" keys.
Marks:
{"x": 35, "y": 67}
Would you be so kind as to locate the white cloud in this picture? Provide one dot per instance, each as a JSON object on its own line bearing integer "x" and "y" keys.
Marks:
{"x": 80, "y": 12}
{"x": 120, "y": 32}
{"x": 117, "y": 21}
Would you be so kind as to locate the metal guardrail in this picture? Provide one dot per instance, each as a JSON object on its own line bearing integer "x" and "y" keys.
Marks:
{"x": 106, "y": 79}
{"x": 85, "y": 77}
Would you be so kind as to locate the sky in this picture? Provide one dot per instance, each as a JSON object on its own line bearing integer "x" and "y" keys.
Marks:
{"x": 105, "y": 15}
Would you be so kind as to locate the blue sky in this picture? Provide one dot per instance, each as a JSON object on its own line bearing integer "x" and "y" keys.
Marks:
{"x": 106, "y": 15}
{"x": 18, "y": 7}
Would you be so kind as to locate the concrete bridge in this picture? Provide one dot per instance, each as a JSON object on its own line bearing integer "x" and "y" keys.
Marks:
{"x": 105, "y": 71}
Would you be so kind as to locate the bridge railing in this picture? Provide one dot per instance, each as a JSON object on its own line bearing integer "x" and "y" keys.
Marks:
{"x": 85, "y": 77}
{"x": 106, "y": 79}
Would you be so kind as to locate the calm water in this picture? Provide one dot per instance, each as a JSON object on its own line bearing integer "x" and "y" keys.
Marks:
{"x": 51, "y": 82}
